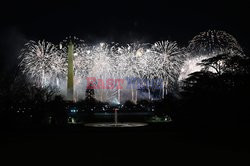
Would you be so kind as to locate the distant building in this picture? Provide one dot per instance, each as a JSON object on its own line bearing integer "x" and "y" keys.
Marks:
{"x": 90, "y": 92}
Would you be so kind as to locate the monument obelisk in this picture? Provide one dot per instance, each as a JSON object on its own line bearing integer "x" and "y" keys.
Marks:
{"x": 70, "y": 84}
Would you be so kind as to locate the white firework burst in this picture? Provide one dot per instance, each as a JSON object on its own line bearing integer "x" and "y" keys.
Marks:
{"x": 41, "y": 62}
{"x": 214, "y": 42}
{"x": 168, "y": 60}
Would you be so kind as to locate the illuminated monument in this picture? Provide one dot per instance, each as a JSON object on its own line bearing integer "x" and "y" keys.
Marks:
{"x": 70, "y": 84}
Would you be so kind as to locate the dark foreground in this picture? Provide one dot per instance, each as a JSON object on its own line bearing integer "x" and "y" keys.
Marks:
{"x": 158, "y": 145}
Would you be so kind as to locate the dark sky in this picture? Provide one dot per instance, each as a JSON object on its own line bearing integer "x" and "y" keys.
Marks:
{"x": 120, "y": 21}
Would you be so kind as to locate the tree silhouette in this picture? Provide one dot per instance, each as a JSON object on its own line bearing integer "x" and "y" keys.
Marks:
{"x": 218, "y": 97}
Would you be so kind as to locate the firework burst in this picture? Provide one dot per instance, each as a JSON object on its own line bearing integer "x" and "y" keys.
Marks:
{"x": 41, "y": 62}
{"x": 214, "y": 42}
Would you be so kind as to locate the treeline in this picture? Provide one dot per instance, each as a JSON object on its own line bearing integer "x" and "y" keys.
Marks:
{"x": 218, "y": 95}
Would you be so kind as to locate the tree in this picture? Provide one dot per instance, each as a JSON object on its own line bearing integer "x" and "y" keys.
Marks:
{"x": 216, "y": 64}
{"x": 218, "y": 97}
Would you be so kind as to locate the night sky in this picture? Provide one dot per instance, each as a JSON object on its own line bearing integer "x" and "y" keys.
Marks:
{"x": 118, "y": 21}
